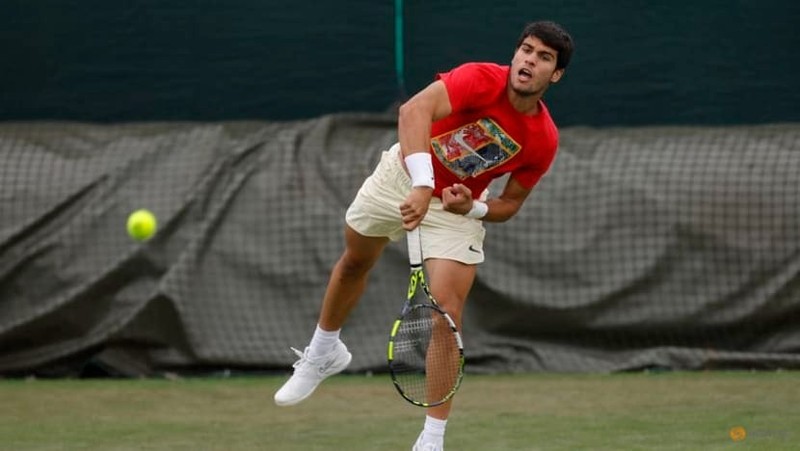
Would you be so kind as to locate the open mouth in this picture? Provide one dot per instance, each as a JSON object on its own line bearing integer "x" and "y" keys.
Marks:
{"x": 525, "y": 74}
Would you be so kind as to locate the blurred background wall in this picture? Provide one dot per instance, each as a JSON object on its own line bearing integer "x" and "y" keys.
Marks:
{"x": 676, "y": 62}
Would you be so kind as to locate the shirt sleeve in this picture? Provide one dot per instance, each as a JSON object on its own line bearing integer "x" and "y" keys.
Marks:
{"x": 530, "y": 174}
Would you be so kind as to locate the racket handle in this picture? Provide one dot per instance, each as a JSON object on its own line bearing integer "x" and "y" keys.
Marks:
{"x": 414, "y": 248}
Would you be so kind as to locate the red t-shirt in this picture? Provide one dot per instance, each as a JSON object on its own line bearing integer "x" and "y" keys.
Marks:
{"x": 485, "y": 137}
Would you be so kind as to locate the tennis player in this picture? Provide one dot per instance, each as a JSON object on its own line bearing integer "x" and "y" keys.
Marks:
{"x": 471, "y": 125}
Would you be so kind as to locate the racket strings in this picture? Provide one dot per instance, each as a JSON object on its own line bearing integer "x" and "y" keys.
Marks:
{"x": 427, "y": 358}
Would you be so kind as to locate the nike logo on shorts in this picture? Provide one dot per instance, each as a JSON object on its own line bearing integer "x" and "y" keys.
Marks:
{"x": 472, "y": 248}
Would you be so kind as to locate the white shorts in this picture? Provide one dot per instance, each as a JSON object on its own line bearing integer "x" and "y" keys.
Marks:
{"x": 375, "y": 212}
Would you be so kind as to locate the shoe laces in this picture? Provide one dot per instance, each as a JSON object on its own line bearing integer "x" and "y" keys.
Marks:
{"x": 302, "y": 355}
{"x": 305, "y": 362}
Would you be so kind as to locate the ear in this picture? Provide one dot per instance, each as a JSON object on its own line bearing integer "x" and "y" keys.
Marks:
{"x": 557, "y": 74}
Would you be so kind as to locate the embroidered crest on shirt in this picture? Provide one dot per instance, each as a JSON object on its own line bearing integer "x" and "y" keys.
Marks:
{"x": 475, "y": 148}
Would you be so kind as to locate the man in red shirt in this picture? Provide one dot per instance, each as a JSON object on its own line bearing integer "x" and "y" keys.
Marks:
{"x": 478, "y": 122}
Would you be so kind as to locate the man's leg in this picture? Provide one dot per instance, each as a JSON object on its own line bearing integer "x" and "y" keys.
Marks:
{"x": 326, "y": 355}
{"x": 450, "y": 282}
{"x": 349, "y": 278}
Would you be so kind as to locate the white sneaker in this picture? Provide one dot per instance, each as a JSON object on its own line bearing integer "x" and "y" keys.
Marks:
{"x": 308, "y": 373}
{"x": 419, "y": 446}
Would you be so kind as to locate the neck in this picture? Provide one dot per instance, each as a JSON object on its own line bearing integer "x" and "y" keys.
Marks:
{"x": 525, "y": 103}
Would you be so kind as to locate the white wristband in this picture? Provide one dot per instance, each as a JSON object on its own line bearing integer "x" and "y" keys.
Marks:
{"x": 420, "y": 168}
{"x": 478, "y": 210}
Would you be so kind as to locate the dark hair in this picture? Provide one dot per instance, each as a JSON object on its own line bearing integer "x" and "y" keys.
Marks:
{"x": 552, "y": 35}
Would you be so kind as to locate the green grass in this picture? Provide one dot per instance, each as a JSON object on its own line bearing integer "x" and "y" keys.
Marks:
{"x": 668, "y": 411}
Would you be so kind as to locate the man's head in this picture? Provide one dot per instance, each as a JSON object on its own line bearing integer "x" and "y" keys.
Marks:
{"x": 540, "y": 58}
{"x": 553, "y": 36}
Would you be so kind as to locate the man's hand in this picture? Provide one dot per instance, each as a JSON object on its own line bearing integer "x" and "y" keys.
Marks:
{"x": 457, "y": 199}
{"x": 414, "y": 208}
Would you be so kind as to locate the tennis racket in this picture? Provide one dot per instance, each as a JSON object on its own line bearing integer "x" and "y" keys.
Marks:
{"x": 425, "y": 353}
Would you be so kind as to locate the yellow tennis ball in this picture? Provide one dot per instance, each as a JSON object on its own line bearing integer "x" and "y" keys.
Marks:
{"x": 142, "y": 225}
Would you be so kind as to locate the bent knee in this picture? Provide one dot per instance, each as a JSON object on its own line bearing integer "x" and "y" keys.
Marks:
{"x": 451, "y": 304}
{"x": 355, "y": 265}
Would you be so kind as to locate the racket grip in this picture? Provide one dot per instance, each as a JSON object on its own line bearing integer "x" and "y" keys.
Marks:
{"x": 414, "y": 248}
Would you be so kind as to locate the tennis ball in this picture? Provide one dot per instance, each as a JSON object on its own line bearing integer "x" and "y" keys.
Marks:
{"x": 142, "y": 225}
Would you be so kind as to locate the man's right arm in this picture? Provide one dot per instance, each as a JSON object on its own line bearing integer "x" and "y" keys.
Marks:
{"x": 418, "y": 113}
{"x": 414, "y": 132}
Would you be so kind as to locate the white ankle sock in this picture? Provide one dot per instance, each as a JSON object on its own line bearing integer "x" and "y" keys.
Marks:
{"x": 322, "y": 342}
{"x": 433, "y": 432}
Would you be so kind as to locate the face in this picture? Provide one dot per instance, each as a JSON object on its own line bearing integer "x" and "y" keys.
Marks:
{"x": 533, "y": 68}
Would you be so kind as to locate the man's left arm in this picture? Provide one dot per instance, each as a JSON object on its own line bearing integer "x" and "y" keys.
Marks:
{"x": 458, "y": 199}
